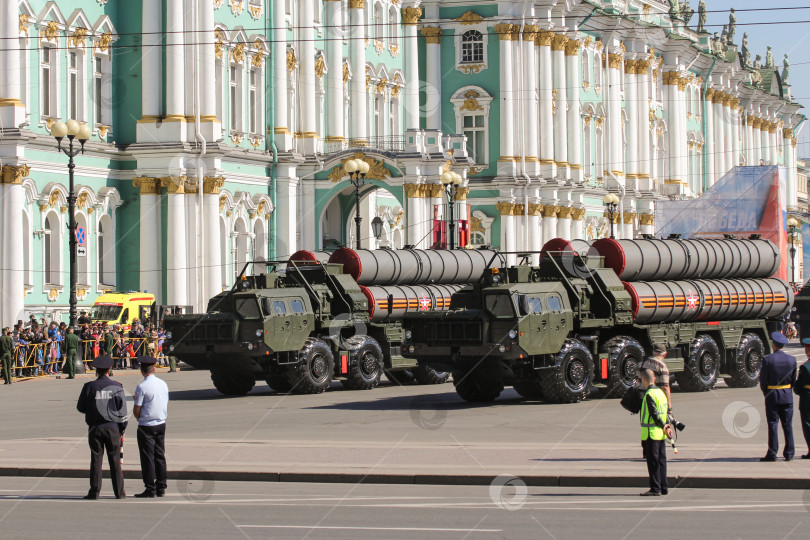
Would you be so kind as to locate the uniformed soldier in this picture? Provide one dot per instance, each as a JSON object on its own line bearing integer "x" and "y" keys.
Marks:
{"x": 151, "y": 408}
{"x": 802, "y": 389}
{"x": 6, "y": 353}
{"x": 104, "y": 406}
{"x": 71, "y": 348}
{"x": 109, "y": 342}
{"x": 654, "y": 430}
{"x": 776, "y": 378}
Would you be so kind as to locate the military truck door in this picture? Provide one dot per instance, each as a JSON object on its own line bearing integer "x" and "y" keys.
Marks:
{"x": 281, "y": 323}
{"x": 535, "y": 323}
{"x": 557, "y": 317}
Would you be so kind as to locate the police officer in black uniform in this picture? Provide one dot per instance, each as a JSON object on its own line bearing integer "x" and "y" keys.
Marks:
{"x": 776, "y": 380}
{"x": 802, "y": 389}
{"x": 104, "y": 406}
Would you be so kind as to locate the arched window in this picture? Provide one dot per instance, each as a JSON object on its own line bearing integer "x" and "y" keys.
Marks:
{"x": 393, "y": 25}
{"x": 586, "y": 68}
{"x": 52, "y": 242}
{"x": 393, "y": 117}
{"x": 379, "y": 21}
{"x": 472, "y": 47}
{"x": 106, "y": 251}
{"x": 587, "y": 147}
{"x": 240, "y": 245}
{"x": 219, "y": 69}
{"x": 223, "y": 246}
{"x": 597, "y": 69}
{"x": 235, "y": 97}
{"x": 472, "y": 105}
{"x": 259, "y": 241}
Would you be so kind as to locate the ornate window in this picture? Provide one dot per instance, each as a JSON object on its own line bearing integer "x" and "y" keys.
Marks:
{"x": 253, "y": 101}
{"x": 76, "y": 85}
{"x": 235, "y": 97}
{"x": 393, "y": 25}
{"x": 379, "y": 21}
{"x": 52, "y": 250}
{"x": 47, "y": 82}
{"x": 480, "y": 229}
{"x": 259, "y": 241}
{"x": 106, "y": 251}
{"x": 471, "y": 105}
{"x": 472, "y": 47}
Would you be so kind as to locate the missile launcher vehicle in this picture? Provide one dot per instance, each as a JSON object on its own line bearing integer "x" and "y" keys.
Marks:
{"x": 301, "y": 323}
{"x": 555, "y": 330}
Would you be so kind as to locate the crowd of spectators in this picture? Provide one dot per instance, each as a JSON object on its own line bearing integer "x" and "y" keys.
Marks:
{"x": 39, "y": 345}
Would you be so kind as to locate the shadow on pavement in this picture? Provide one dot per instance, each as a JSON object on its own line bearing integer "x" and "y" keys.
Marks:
{"x": 445, "y": 401}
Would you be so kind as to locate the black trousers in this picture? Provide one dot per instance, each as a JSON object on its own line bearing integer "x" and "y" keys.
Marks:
{"x": 804, "y": 414}
{"x": 776, "y": 414}
{"x": 656, "y": 454}
{"x": 153, "y": 456}
{"x": 107, "y": 438}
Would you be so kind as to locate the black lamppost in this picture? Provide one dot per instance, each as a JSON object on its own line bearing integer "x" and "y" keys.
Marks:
{"x": 792, "y": 227}
{"x": 357, "y": 169}
{"x": 72, "y": 130}
{"x": 377, "y": 227}
{"x": 451, "y": 181}
{"x": 611, "y": 205}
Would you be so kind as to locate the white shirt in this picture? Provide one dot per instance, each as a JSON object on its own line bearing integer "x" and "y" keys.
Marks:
{"x": 152, "y": 395}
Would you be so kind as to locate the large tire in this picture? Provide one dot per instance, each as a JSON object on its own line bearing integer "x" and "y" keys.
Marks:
{"x": 400, "y": 377}
{"x": 479, "y": 382}
{"x": 232, "y": 383}
{"x": 279, "y": 382}
{"x": 367, "y": 363}
{"x": 529, "y": 388}
{"x": 570, "y": 380}
{"x": 315, "y": 368}
{"x": 749, "y": 362}
{"x": 701, "y": 368}
{"x": 428, "y": 375}
{"x": 625, "y": 355}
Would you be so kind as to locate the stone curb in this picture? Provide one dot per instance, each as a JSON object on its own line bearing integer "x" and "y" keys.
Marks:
{"x": 430, "y": 479}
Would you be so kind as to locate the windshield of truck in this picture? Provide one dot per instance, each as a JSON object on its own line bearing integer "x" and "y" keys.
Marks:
{"x": 247, "y": 307}
{"x": 105, "y": 313}
{"x": 500, "y": 305}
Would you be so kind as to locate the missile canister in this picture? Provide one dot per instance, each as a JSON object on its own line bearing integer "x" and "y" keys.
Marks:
{"x": 304, "y": 256}
{"x": 560, "y": 244}
{"x": 675, "y": 259}
{"x": 415, "y": 266}
{"x": 708, "y": 300}
{"x": 390, "y": 303}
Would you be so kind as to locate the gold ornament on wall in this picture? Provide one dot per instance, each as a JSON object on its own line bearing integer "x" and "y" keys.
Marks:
{"x": 471, "y": 101}
{"x": 320, "y": 67}
{"x": 50, "y": 31}
{"x": 78, "y": 37}
{"x": 410, "y": 15}
{"x": 24, "y": 24}
{"x": 432, "y": 34}
{"x": 376, "y": 170}
{"x": 104, "y": 41}
{"x": 470, "y": 18}
{"x": 238, "y": 53}
{"x": 219, "y": 35}
{"x": 291, "y": 60}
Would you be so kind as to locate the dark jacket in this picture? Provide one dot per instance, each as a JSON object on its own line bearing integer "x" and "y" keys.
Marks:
{"x": 6, "y": 346}
{"x": 778, "y": 369}
{"x": 71, "y": 342}
{"x": 802, "y": 385}
{"x": 103, "y": 403}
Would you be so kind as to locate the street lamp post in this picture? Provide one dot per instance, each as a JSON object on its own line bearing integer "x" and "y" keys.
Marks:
{"x": 451, "y": 181}
{"x": 357, "y": 170}
{"x": 72, "y": 130}
{"x": 611, "y": 205}
{"x": 792, "y": 225}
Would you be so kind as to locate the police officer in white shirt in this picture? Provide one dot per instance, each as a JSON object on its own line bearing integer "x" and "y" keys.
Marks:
{"x": 150, "y": 408}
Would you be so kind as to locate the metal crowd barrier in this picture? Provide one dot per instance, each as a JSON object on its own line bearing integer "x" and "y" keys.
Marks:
{"x": 39, "y": 360}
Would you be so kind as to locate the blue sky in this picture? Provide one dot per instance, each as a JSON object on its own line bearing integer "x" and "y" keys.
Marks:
{"x": 793, "y": 39}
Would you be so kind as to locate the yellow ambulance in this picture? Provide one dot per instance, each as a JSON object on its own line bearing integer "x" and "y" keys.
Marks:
{"x": 122, "y": 308}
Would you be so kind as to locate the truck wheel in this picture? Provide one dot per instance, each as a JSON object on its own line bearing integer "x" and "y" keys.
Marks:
{"x": 314, "y": 370}
{"x": 479, "y": 383}
{"x": 570, "y": 380}
{"x": 529, "y": 388}
{"x": 428, "y": 375}
{"x": 625, "y": 355}
{"x": 400, "y": 377}
{"x": 367, "y": 364}
{"x": 749, "y": 362}
{"x": 232, "y": 383}
{"x": 700, "y": 369}
{"x": 279, "y": 382}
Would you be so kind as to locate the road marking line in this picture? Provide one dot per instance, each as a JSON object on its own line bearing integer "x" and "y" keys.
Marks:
{"x": 337, "y": 528}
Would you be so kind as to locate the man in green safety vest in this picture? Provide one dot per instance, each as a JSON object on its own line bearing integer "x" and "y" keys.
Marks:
{"x": 654, "y": 431}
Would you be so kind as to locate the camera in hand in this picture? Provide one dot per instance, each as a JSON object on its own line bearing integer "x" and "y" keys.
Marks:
{"x": 680, "y": 426}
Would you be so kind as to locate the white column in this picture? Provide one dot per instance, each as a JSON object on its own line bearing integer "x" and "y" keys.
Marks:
{"x": 578, "y": 224}
{"x": 790, "y": 170}
{"x": 708, "y": 142}
{"x": 287, "y": 220}
{"x": 176, "y": 247}
{"x": 433, "y": 75}
{"x": 508, "y": 237}
{"x": 728, "y": 133}
{"x": 719, "y": 139}
{"x": 151, "y": 259}
{"x": 12, "y": 111}
{"x": 767, "y": 156}
{"x": 643, "y": 129}
{"x": 507, "y": 101}
{"x": 13, "y": 263}
{"x": 335, "y": 130}
{"x": 410, "y": 16}
{"x": 561, "y": 110}
{"x": 564, "y": 222}
{"x": 414, "y": 218}
{"x": 736, "y": 148}
{"x": 281, "y": 133}
{"x": 208, "y": 93}
{"x": 615, "y": 160}
{"x": 572, "y": 74}
{"x": 535, "y": 236}
{"x": 749, "y": 140}
{"x": 550, "y": 210}
{"x": 633, "y": 105}
{"x": 528, "y": 96}
{"x": 306, "y": 73}
{"x": 175, "y": 62}
{"x": 774, "y": 143}
{"x": 756, "y": 141}
{"x": 309, "y": 220}
{"x": 357, "y": 47}
{"x": 547, "y": 166}
{"x": 151, "y": 59}
{"x": 674, "y": 111}
{"x": 213, "y": 251}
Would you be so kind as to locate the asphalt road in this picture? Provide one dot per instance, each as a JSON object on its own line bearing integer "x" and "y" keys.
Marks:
{"x": 45, "y": 508}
